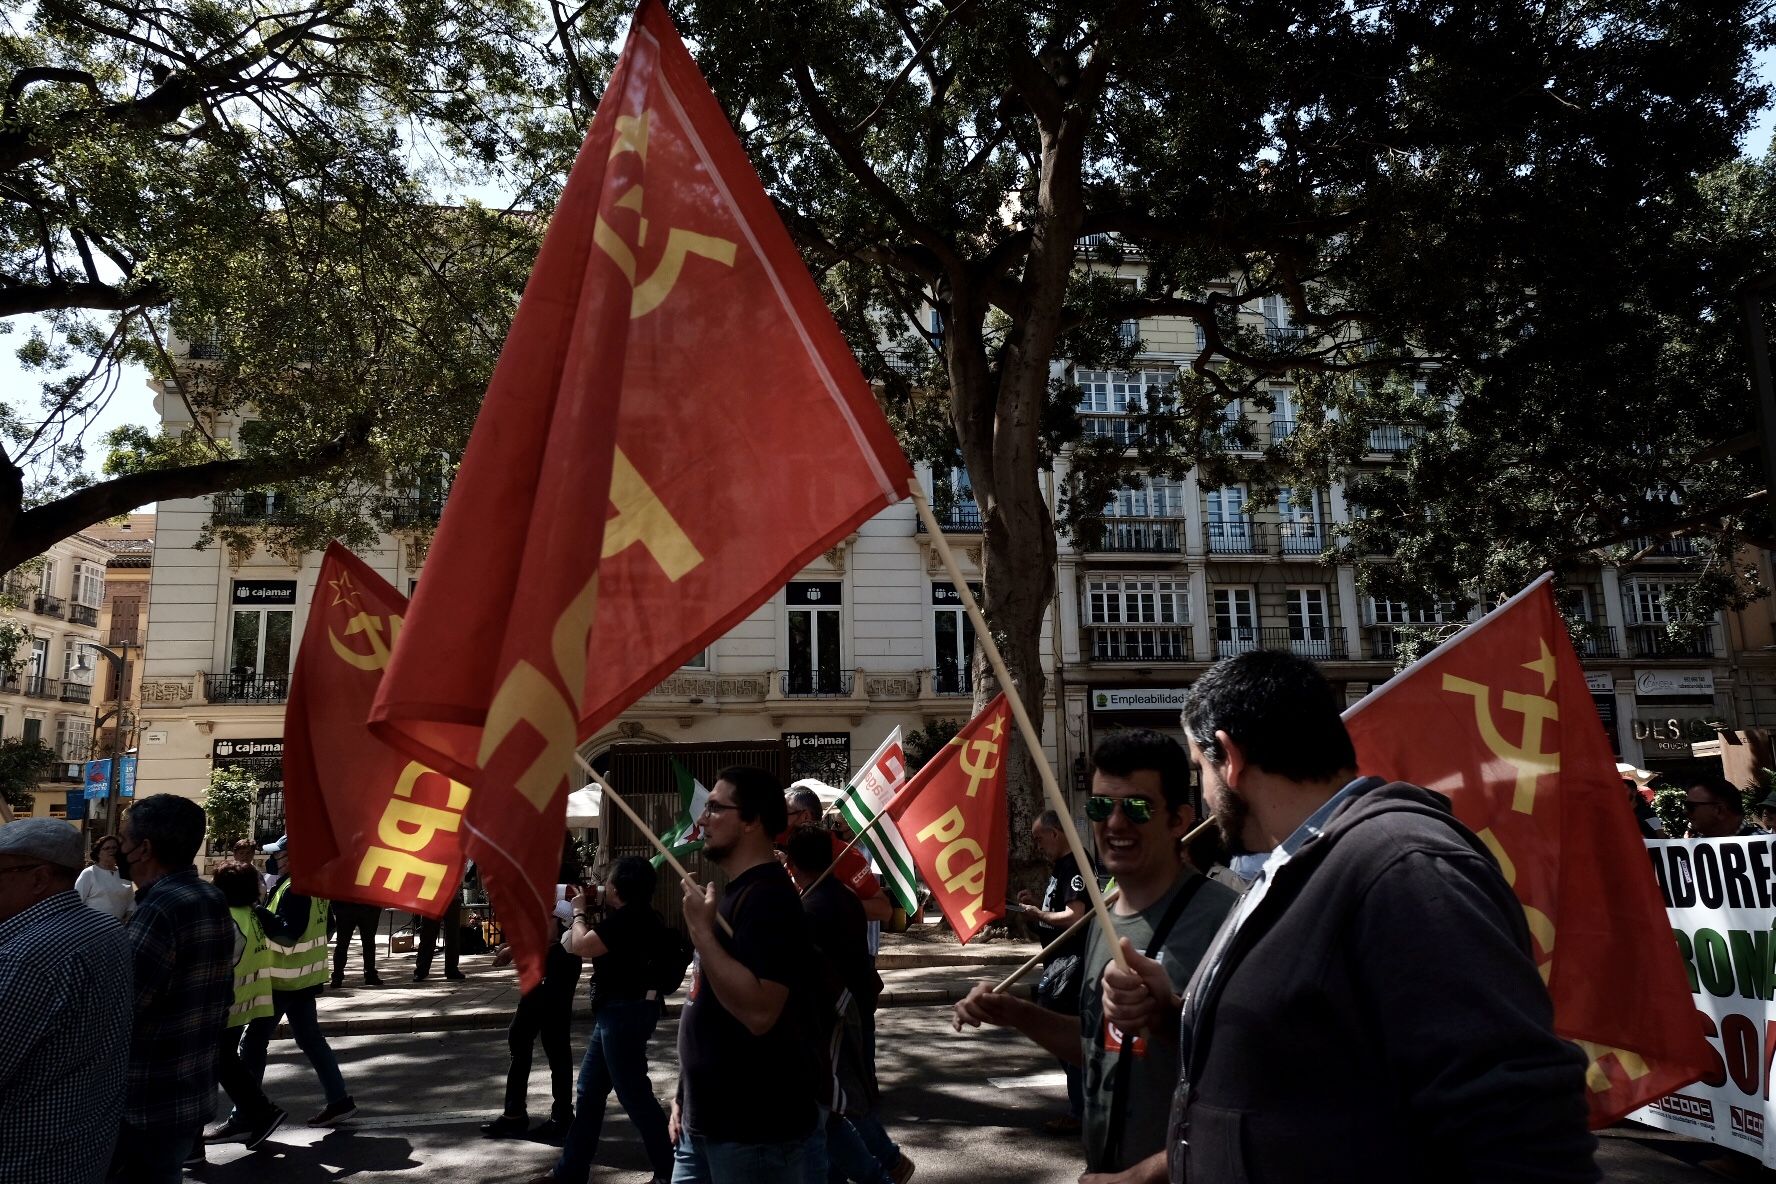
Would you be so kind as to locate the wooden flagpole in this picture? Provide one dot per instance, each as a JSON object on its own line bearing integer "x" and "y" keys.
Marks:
{"x": 612, "y": 795}
{"x": 1032, "y": 739}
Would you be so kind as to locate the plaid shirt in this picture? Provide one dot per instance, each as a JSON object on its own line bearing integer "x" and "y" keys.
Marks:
{"x": 184, "y": 946}
{"x": 64, "y": 1037}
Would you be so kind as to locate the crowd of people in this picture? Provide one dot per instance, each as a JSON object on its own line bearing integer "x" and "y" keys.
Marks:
{"x": 1358, "y": 1002}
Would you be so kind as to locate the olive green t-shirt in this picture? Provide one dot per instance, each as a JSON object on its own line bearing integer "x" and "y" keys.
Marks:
{"x": 1153, "y": 1064}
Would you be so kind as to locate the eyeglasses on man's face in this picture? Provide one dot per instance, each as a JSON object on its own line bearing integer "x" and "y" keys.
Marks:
{"x": 713, "y": 807}
{"x": 1691, "y": 805}
{"x": 1136, "y": 808}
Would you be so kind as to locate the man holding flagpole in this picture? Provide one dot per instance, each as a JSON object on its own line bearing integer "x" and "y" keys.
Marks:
{"x": 1370, "y": 1011}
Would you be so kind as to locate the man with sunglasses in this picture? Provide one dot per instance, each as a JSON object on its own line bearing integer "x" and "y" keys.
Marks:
{"x": 1716, "y": 809}
{"x": 747, "y": 1076}
{"x": 1371, "y": 1010}
{"x": 1139, "y": 809}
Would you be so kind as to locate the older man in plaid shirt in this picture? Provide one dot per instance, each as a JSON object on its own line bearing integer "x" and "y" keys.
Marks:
{"x": 64, "y": 1012}
{"x": 183, "y": 939}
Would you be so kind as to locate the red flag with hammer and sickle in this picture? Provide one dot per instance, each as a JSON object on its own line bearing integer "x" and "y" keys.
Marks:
{"x": 952, "y": 815}
{"x": 675, "y": 428}
{"x": 1500, "y": 721}
{"x": 366, "y": 823}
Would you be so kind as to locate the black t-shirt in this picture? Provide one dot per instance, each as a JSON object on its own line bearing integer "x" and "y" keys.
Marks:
{"x": 1065, "y": 885}
{"x": 629, "y": 935}
{"x": 735, "y": 1087}
{"x": 842, "y": 932}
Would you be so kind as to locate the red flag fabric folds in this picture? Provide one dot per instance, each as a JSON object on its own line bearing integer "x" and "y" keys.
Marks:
{"x": 1499, "y": 719}
{"x": 676, "y": 427}
{"x": 366, "y": 823}
{"x": 952, "y": 815}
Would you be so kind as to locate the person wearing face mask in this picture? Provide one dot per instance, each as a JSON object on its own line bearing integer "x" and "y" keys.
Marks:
{"x": 1139, "y": 810}
{"x": 104, "y": 884}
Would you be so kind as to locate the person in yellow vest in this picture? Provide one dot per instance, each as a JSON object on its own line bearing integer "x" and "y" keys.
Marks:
{"x": 296, "y": 932}
{"x": 239, "y": 885}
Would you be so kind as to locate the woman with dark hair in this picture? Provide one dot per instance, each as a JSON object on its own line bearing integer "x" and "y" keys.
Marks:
{"x": 104, "y": 885}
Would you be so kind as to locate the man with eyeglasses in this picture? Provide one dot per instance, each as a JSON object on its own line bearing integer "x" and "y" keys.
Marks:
{"x": 1139, "y": 809}
{"x": 1716, "y": 809}
{"x": 747, "y": 1077}
{"x": 64, "y": 1012}
{"x": 1371, "y": 1010}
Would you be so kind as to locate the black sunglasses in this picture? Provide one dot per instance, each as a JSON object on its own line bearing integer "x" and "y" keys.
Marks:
{"x": 1099, "y": 807}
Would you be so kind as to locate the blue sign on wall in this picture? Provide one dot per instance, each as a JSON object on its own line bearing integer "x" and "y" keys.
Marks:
{"x": 126, "y": 775}
{"x": 98, "y": 779}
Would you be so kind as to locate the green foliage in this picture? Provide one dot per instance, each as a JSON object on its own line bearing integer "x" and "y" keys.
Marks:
{"x": 228, "y": 805}
{"x": 23, "y": 764}
{"x": 1668, "y": 803}
{"x": 927, "y": 742}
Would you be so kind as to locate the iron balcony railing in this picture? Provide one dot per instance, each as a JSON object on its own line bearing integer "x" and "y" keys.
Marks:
{"x": 1236, "y": 536}
{"x": 1148, "y": 536}
{"x": 1595, "y": 641}
{"x": 952, "y": 682}
{"x": 83, "y": 614}
{"x": 1656, "y": 641}
{"x": 1281, "y": 429}
{"x": 810, "y": 683}
{"x": 75, "y": 692}
{"x": 50, "y": 606}
{"x": 1123, "y": 429}
{"x": 1284, "y": 336}
{"x": 411, "y": 513}
{"x": 246, "y": 686}
{"x": 1304, "y": 536}
{"x": 1310, "y": 641}
{"x": 251, "y": 509}
{"x": 962, "y": 517}
{"x": 1149, "y": 643}
{"x": 1390, "y": 439}
{"x": 38, "y": 686}
{"x": 1678, "y": 548}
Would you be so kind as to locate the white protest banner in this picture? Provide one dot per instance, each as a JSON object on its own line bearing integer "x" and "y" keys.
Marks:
{"x": 1721, "y": 897}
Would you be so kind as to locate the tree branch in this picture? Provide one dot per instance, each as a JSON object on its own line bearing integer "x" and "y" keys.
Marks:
{"x": 17, "y": 299}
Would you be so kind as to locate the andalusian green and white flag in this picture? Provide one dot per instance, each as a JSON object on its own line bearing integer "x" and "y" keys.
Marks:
{"x": 686, "y": 835}
{"x": 869, "y": 794}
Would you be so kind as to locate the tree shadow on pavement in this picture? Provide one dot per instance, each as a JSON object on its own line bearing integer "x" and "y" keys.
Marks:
{"x": 340, "y": 1155}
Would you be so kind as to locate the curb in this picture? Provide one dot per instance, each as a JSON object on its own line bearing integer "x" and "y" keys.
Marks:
{"x": 487, "y": 1018}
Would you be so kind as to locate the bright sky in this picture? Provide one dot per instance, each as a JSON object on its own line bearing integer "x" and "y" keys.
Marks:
{"x": 133, "y": 402}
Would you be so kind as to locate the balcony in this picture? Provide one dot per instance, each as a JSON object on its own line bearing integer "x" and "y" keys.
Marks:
{"x": 49, "y": 606}
{"x": 1309, "y": 641}
{"x": 1152, "y": 643}
{"x": 37, "y": 686}
{"x": 1680, "y": 548}
{"x": 1281, "y": 429}
{"x": 1390, "y": 440}
{"x": 1304, "y": 538}
{"x": 246, "y": 687}
{"x": 808, "y": 684}
{"x": 1136, "y": 536}
{"x": 964, "y": 517}
{"x": 412, "y": 513}
{"x": 83, "y": 614}
{"x": 1238, "y": 536}
{"x": 952, "y": 682}
{"x": 251, "y": 509}
{"x": 75, "y": 692}
{"x": 1656, "y": 641}
{"x": 1595, "y": 641}
{"x": 1285, "y": 336}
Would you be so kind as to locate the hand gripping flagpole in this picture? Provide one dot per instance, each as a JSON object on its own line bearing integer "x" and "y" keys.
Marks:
{"x": 1032, "y": 739}
{"x": 613, "y": 796}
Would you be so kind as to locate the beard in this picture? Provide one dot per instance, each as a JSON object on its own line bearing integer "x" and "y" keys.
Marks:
{"x": 1229, "y": 811}
{"x": 717, "y": 854}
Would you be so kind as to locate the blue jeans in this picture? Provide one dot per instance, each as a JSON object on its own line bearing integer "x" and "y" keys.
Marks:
{"x": 152, "y": 1156}
{"x": 616, "y": 1058}
{"x": 814, "y": 1157}
{"x": 698, "y": 1161}
{"x": 850, "y": 1155}
{"x": 300, "y": 1007}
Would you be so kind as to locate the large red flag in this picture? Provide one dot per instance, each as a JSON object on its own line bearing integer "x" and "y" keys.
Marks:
{"x": 1520, "y": 753}
{"x": 366, "y": 823}
{"x": 952, "y": 815}
{"x": 670, "y": 315}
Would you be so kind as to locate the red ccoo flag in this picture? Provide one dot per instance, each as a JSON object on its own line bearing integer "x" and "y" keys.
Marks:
{"x": 1522, "y": 756}
{"x": 952, "y": 815}
{"x": 366, "y": 824}
{"x": 669, "y": 315}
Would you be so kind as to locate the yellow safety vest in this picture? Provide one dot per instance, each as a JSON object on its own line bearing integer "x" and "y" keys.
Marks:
{"x": 252, "y": 973}
{"x": 304, "y": 962}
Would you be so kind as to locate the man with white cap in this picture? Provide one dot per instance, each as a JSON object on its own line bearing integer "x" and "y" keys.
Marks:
{"x": 65, "y": 1007}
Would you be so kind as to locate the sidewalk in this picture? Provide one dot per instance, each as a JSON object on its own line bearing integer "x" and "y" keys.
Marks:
{"x": 916, "y": 974}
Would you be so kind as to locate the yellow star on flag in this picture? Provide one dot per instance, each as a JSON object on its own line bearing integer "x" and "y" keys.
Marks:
{"x": 1543, "y": 666}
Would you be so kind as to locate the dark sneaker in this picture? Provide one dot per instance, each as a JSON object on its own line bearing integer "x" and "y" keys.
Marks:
{"x": 336, "y": 981}
{"x": 551, "y": 1130}
{"x": 370, "y": 980}
{"x": 902, "y": 1171}
{"x": 338, "y": 1111}
{"x": 229, "y": 1129}
{"x": 419, "y": 976}
{"x": 262, "y": 1128}
{"x": 506, "y": 1127}
{"x": 455, "y": 974}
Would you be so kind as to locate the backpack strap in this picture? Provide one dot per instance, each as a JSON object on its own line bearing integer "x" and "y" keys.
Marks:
{"x": 1120, "y": 1089}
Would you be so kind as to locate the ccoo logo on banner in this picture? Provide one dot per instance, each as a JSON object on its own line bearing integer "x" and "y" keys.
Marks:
{"x": 1721, "y": 897}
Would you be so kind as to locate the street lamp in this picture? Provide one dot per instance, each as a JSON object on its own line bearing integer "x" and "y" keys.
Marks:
{"x": 113, "y": 808}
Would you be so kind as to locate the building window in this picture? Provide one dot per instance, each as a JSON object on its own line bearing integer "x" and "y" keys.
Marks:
{"x": 815, "y": 612}
{"x": 1230, "y": 531}
{"x": 1154, "y": 497}
{"x": 1309, "y": 632}
{"x": 89, "y": 585}
{"x": 1398, "y": 612}
{"x": 46, "y": 582}
{"x": 1119, "y": 392}
{"x": 697, "y": 661}
{"x": 33, "y": 728}
{"x": 952, "y": 635}
{"x": 126, "y": 620}
{"x": 260, "y": 627}
{"x": 1650, "y": 601}
{"x": 1236, "y": 621}
{"x": 72, "y": 653}
{"x": 1299, "y": 512}
{"x": 73, "y": 738}
{"x": 1135, "y": 618}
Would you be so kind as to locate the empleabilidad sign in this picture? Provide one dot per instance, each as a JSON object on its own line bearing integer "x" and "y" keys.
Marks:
{"x": 1139, "y": 699}
{"x": 1721, "y": 897}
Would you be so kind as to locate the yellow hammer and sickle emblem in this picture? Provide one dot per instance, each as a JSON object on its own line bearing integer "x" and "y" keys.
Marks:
{"x": 979, "y": 758}
{"x": 371, "y": 627}
{"x": 647, "y": 294}
{"x": 1527, "y": 758}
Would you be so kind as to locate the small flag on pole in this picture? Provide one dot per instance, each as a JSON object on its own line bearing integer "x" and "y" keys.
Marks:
{"x": 686, "y": 835}
{"x": 870, "y": 793}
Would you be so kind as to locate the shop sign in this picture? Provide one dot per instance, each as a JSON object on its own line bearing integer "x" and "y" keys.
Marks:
{"x": 1672, "y": 735}
{"x": 1655, "y": 684}
{"x": 1139, "y": 699}
{"x": 1600, "y": 682}
{"x": 826, "y": 741}
{"x": 234, "y": 750}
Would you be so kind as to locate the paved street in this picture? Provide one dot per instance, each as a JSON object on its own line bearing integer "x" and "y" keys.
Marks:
{"x": 961, "y": 1106}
